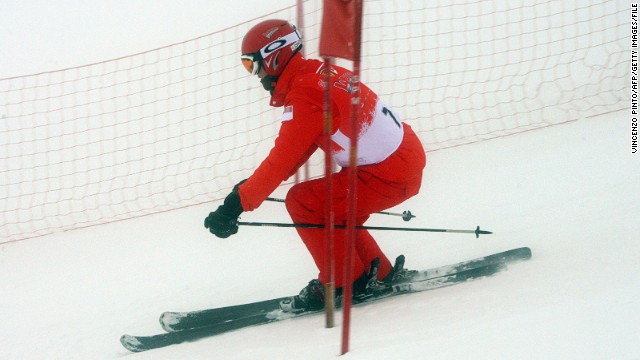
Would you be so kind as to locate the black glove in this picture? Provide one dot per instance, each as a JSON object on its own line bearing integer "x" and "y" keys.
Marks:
{"x": 224, "y": 221}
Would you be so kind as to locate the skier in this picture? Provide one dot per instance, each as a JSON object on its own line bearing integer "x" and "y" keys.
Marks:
{"x": 390, "y": 158}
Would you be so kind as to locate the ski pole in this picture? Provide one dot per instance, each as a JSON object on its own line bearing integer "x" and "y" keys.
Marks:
{"x": 406, "y": 215}
{"x": 477, "y": 231}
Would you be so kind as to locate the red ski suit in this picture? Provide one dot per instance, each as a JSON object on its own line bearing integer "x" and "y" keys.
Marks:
{"x": 390, "y": 161}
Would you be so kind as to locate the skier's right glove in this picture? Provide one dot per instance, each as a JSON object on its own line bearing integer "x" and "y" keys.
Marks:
{"x": 224, "y": 221}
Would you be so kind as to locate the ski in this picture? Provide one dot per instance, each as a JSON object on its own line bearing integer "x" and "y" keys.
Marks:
{"x": 264, "y": 312}
{"x": 175, "y": 321}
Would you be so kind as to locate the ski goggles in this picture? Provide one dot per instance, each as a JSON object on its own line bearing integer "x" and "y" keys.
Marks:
{"x": 251, "y": 62}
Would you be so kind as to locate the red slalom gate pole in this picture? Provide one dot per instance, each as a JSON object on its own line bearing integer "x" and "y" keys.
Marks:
{"x": 329, "y": 262}
{"x": 352, "y": 176}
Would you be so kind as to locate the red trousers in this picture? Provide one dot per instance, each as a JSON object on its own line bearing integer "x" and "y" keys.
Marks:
{"x": 379, "y": 187}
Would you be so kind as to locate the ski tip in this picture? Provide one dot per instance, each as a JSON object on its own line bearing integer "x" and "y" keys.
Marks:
{"x": 526, "y": 251}
{"x": 520, "y": 254}
{"x": 131, "y": 343}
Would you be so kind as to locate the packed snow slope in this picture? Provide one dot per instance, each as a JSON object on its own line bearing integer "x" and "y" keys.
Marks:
{"x": 569, "y": 192}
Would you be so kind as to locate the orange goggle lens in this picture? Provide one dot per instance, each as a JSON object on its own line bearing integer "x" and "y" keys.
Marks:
{"x": 250, "y": 64}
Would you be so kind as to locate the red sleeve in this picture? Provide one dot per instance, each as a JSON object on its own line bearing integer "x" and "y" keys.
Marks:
{"x": 296, "y": 142}
{"x": 302, "y": 161}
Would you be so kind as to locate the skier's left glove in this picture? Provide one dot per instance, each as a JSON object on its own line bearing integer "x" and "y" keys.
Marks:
{"x": 224, "y": 221}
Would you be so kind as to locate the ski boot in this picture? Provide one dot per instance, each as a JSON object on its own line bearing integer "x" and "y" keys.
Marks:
{"x": 311, "y": 298}
{"x": 399, "y": 274}
{"x": 368, "y": 285}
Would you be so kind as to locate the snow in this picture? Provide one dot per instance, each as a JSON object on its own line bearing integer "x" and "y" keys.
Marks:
{"x": 569, "y": 192}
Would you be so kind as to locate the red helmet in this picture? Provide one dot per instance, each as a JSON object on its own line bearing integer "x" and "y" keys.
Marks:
{"x": 270, "y": 45}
